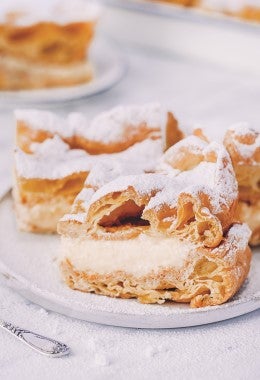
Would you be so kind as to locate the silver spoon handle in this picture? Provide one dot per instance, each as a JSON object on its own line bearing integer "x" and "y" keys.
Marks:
{"x": 43, "y": 345}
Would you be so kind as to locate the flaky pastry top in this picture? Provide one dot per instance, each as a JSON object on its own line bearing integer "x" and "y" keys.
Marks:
{"x": 194, "y": 197}
{"x": 110, "y": 132}
{"x": 52, "y": 147}
{"x": 53, "y": 159}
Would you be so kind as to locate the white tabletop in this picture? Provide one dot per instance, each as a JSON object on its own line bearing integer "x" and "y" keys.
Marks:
{"x": 198, "y": 93}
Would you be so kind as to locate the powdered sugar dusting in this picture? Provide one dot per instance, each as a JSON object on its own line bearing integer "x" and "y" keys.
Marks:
{"x": 53, "y": 159}
{"x": 43, "y": 120}
{"x": 105, "y": 172}
{"x": 108, "y": 127}
{"x": 85, "y": 194}
{"x": 143, "y": 184}
{"x": 51, "y": 147}
{"x": 193, "y": 144}
{"x": 199, "y": 179}
{"x": 241, "y": 129}
{"x": 215, "y": 179}
{"x": 237, "y": 239}
{"x": 57, "y": 11}
{"x": 225, "y": 185}
{"x": 246, "y": 149}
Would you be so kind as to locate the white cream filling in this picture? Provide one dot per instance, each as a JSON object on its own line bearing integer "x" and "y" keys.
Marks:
{"x": 137, "y": 256}
{"x": 74, "y": 71}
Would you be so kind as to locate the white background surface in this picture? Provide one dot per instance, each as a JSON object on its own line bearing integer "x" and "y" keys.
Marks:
{"x": 198, "y": 93}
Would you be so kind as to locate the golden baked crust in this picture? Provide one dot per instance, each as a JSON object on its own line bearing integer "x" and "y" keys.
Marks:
{"x": 250, "y": 13}
{"x": 243, "y": 145}
{"x": 46, "y": 42}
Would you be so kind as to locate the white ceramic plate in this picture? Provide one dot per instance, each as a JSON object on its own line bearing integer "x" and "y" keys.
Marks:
{"x": 171, "y": 10}
{"x": 191, "y": 33}
{"x": 28, "y": 263}
{"x": 109, "y": 67}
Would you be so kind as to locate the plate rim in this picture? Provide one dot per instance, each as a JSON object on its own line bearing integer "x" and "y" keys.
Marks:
{"x": 143, "y": 321}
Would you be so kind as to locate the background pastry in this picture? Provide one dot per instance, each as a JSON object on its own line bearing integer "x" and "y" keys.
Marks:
{"x": 243, "y": 145}
{"x": 45, "y": 44}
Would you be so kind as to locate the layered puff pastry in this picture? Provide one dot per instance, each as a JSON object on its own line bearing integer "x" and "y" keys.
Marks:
{"x": 243, "y": 145}
{"x": 169, "y": 235}
{"x": 55, "y": 155}
{"x": 45, "y": 44}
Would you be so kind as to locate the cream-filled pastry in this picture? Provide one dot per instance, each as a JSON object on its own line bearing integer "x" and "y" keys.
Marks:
{"x": 169, "y": 235}
{"x": 45, "y": 44}
{"x": 243, "y": 145}
{"x": 55, "y": 155}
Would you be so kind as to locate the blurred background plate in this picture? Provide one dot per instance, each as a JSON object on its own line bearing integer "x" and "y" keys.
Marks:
{"x": 191, "y": 33}
{"x": 173, "y": 10}
{"x": 109, "y": 67}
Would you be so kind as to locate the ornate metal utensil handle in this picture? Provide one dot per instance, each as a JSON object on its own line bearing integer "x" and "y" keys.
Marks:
{"x": 43, "y": 345}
